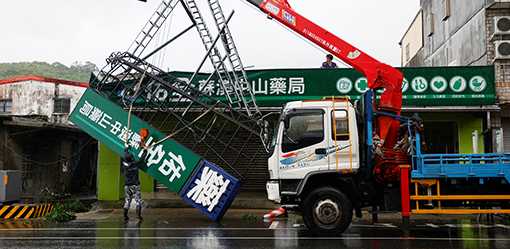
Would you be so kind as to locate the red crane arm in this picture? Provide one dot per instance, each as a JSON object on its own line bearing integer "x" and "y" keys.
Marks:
{"x": 378, "y": 74}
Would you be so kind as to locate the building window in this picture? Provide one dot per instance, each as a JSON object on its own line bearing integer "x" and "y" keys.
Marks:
{"x": 447, "y": 9}
{"x": 441, "y": 137}
{"x": 6, "y": 106}
{"x": 341, "y": 122}
{"x": 62, "y": 106}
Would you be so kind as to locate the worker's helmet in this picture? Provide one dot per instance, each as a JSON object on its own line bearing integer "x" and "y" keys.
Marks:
{"x": 144, "y": 133}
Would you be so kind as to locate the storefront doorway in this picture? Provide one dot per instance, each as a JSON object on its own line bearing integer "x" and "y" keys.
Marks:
{"x": 441, "y": 137}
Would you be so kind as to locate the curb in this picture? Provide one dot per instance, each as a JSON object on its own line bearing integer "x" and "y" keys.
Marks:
{"x": 177, "y": 203}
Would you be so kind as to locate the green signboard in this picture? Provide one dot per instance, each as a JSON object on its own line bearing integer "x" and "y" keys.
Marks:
{"x": 169, "y": 163}
{"x": 434, "y": 86}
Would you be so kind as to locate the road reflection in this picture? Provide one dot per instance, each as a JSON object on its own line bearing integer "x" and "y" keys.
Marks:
{"x": 160, "y": 232}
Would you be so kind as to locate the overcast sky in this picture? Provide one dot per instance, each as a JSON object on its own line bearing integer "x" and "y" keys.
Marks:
{"x": 89, "y": 30}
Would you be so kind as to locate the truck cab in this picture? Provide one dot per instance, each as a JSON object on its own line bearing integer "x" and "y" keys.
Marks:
{"x": 327, "y": 162}
{"x": 315, "y": 155}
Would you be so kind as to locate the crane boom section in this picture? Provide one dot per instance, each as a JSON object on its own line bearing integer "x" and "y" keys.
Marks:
{"x": 378, "y": 74}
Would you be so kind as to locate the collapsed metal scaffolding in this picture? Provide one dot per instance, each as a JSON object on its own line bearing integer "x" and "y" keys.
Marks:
{"x": 220, "y": 128}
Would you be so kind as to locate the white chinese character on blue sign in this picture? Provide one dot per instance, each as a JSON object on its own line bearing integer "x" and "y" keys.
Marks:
{"x": 209, "y": 189}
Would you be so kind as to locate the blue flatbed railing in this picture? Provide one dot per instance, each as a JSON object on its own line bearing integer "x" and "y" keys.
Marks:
{"x": 432, "y": 166}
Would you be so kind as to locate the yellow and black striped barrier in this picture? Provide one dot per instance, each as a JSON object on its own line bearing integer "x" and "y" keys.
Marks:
{"x": 24, "y": 211}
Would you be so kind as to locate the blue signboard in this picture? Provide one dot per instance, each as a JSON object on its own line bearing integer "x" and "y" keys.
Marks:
{"x": 210, "y": 189}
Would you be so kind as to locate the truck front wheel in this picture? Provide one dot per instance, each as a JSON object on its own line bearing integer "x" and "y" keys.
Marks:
{"x": 327, "y": 211}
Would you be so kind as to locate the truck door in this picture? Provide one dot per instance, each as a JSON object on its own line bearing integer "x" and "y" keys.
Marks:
{"x": 343, "y": 140}
{"x": 302, "y": 143}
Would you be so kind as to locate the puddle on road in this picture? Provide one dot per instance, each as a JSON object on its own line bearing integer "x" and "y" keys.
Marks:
{"x": 22, "y": 224}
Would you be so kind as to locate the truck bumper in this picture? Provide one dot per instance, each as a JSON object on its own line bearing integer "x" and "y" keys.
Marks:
{"x": 273, "y": 191}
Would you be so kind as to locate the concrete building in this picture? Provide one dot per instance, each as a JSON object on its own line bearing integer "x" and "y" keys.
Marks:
{"x": 37, "y": 138}
{"x": 466, "y": 33}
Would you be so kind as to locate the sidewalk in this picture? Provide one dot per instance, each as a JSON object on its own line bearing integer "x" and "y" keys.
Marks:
{"x": 244, "y": 200}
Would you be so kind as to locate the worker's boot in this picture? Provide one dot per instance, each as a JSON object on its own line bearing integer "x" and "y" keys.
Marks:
{"x": 139, "y": 213}
{"x": 126, "y": 217}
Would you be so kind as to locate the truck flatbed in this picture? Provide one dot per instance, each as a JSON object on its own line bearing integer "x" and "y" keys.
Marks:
{"x": 434, "y": 166}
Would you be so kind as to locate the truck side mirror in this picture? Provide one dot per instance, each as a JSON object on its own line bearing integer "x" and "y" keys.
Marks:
{"x": 321, "y": 151}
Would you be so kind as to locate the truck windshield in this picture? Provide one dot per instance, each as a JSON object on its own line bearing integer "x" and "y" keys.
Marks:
{"x": 303, "y": 129}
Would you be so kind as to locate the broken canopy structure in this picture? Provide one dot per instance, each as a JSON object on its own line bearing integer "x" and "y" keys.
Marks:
{"x": 130, "y": 94}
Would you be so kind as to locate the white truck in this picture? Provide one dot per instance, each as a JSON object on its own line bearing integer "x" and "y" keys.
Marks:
{"x": 315, "y": 160}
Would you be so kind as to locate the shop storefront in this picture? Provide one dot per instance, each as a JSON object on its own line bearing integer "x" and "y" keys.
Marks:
{"x": 454, "y": 102}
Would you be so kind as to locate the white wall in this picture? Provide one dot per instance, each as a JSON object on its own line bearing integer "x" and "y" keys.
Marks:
{"x": 458, "y": 41}
{"x": 31, "y": 98}
{"x": 413, "y": 39}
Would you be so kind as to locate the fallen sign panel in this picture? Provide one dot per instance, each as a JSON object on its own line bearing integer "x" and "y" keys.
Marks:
{"x": 169, "y": 162}
{"x": 211, "y": 190}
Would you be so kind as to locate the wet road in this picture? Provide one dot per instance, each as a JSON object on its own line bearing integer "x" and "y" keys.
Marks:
{"x": 243, "y": 229}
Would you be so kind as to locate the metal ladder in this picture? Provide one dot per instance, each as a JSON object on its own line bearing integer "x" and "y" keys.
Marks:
{"x": 152, "y": 27}
{"x": 231, "y": 85}
{"x": 245, "y": 89}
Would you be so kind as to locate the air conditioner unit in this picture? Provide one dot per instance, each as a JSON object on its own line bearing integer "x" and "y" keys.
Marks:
{"x": 502, "y": 49}
{"x": 502, "y": 25}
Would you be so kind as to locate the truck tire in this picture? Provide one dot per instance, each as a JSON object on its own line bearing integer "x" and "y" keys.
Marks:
{"x": 327, "y": 211}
